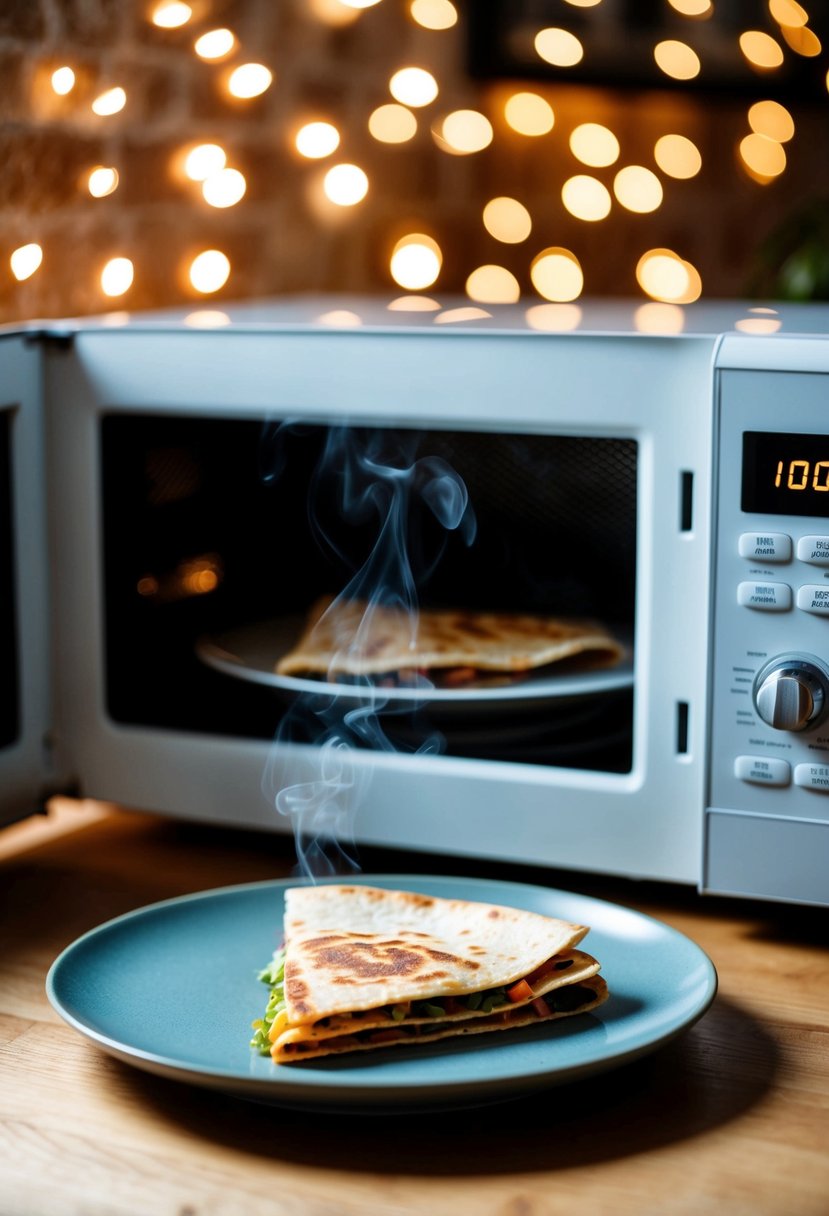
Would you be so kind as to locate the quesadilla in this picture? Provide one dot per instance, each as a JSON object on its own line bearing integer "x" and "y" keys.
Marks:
{"x": 452, "y": 648}
{"x": 364, "y": 967}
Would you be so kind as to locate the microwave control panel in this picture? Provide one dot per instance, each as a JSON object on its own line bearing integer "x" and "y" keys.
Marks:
{"x": 769, "y": 719}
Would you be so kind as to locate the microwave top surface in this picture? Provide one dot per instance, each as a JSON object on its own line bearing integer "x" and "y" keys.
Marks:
{"x": 622, "y": 317}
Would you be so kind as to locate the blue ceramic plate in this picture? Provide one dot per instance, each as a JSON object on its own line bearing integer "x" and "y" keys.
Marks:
{"x": 172, "y": 989}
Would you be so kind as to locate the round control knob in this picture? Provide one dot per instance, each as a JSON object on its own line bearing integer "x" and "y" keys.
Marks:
{"x": 791, "y": 693}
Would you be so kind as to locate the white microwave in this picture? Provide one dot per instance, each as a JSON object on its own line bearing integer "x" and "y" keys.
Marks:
{"x": 168, "y": 516}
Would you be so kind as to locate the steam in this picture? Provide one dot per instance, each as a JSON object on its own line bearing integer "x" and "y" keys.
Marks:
{"x": 369, "y": 478}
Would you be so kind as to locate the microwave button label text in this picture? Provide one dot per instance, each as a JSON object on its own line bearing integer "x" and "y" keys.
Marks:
{"x": 770, "y": 546}
{"x": 814, "y": 549}
{"x": 814, "y": 597}
{"x": 768, "y": 597}
{"x": 812, "y": 777}
{"x": 760, "y": 771}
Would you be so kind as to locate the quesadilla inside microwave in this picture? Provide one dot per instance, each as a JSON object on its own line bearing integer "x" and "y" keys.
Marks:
{"x": 347, "y": 638}
{"x": 364, "y": 967}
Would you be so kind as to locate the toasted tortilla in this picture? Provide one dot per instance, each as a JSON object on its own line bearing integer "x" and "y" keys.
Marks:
{"x": 349, "y": 637}
{"x": 368, "y": 967}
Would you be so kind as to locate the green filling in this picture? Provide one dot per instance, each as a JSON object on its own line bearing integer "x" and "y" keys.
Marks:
{"x": 274, "y": 976}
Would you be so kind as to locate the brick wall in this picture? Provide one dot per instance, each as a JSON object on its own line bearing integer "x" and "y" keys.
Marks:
{"x": 276, "y": 237}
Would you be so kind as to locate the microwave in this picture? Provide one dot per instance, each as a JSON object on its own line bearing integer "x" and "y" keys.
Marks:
{"x": 174, "y": 500}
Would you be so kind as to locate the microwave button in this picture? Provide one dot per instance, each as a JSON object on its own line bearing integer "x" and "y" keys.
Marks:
{"x": 768, "y": 597}
{"x": 814, "y": 597}
{"x": 814, "y": 549}
{"x": 812, "y": 777}
{"x": 760, "y": 771}
{"x": 765, "y": 546}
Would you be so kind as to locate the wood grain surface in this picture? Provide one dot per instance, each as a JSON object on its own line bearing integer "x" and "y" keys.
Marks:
{"x": 730, "y": 1119}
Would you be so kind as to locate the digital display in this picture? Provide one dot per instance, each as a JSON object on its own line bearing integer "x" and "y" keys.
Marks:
{"x": 785, "y": 474}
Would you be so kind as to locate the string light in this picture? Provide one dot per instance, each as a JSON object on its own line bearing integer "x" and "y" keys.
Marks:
{"x": 638, "y": 189}
{"x": 507, "y": 220}
{"x": 463, "y": 132}
{"x": 249, "y": 80}
{"x": 225, "y": 188}
{"x": 413, "y": 87}
{"x": 677, "y": 59}
{"x": 558, "y": 47}
{"x": 434, "y": 14}
{"x": 493, "y": 285}
{"x": 345, "y": 185}
{"x": 209, "y": 271}
{"x": 663, "y": 275}
{"x": 110, "y": 102}
{"x": 215, "y": 44}
{"x": 416, "y": 261}
{"x": 557, "y": 275}
{"x": 761, "y": 50}
{"x": 586, "y": 198}
{"x": 316, "y": 140}
{"x": 171, "y": 15}
{"x": 763, "y": 158}
{"x": 63, "y": 81}
{"x": 117, "y": 277}
{"x": 594, "y": 145}
{"x": 102, "y": 181}
{"x": 788, "y": 12}
{"x": 772, "y": 119}
{"x": 25, "y": 260}
{"x": 692, "y": 8}
{"x": 677, "y": 156}
{"x": 802, "y": 41}
{"x": 204, "y": 160}
{"x": 392, "y": 124}
{"x": 529, "y": 114}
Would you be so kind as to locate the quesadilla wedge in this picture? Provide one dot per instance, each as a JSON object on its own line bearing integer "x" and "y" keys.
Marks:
{"x": 364, "y": 967}
{"x": 346, "y": 638}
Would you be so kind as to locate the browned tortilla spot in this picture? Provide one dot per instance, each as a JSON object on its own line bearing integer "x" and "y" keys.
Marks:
{"x": 363, "y": 960}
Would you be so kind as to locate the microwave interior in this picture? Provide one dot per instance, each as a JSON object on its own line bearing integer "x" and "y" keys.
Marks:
{"x": 220, "y": 533}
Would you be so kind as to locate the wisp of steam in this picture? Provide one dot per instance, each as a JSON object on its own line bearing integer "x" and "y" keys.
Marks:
{"x": 373, "y": 477}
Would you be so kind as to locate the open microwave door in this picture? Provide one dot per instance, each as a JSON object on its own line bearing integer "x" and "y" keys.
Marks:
{"x": 24, "y": 629}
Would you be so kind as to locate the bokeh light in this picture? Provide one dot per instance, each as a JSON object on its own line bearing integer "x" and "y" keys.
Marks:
{"x": 25, "y": 260}
{"x": 204, "y": 160}
{"x": 225, "y": 188}
{"x": 692, "y": 8}
{"x": 788, "y": 12}
{"x": 346, "y": 185}
{"x": 638, "y": 189}
{"x": 102, "y": 180}
{"x": 557, "y": 275}
{"x": 761, "y": 50}
{"x": 771, "y": 119}
{"x": 677, "y": 59}
{"x": 110, "y": 102}
{"x": 209, "y": 271}
{"x": 763, "y": 158}
{"x": 664, "y": 275}
{"x": 117, "y": 277}
{"x": 171, "y": 14}
{"x": 493, "y": 285}
{"x": 434, "y": 14}
{"x": 63, "y": 81}
{"x": 558, "y": 47}
{"x": 316, "y": 140}
{"x": 392, "y": 123}
{"x": 554, "y": 318}
{"x": 677, "y": 156}
{"x": 215, "y": 44}
{"x": 249, "y": 80}
{"x": 586, "y": 197}
{"x": 416, "y": 261}
{"x": 413, "y": 87}
{"x": 529, "y": 114}
{"x": 594, "y": 145}
{"x": 464, "y": 131}
{"x": 507, "y": 220}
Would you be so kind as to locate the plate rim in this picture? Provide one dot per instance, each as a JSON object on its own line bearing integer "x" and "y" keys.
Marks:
{"x": 317, "y": 1090}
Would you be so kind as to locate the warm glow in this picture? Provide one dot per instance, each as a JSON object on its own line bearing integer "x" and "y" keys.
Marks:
{"x": 345, "y": 185}
{"x": 225, "y": 188}
{"x": 25, "y": 260}
{"x": 340, "y": 318}
{"x": 359, "y": 3}
{"x": 204, "y": 160}
{"x": 493, "y": 285}
{"x": 761, "y": 50}
{"x": 413, "y": 87}
{"x": 788, "y": 12}
{"x": 110, "y": 102}
{"x": 677, "y": 156}
{"x": 434, "y": 14}
{"x": 662, "y": 274}
{"x": 529, "y": 114}
{"x": 332, "y": 12}
{"x": 764, "y": 158}
{"x": 249, "y": 80}
{"x": 117, "y": 276}
{"x": 802, "y": 41}
{"x": 215, "y": 44}
{"x": 771, "y": 119}
{"x": 458, "y": 316}
{"x": 102, "y": 181}
{"x": 557, "y": 275}
{"x": 465, "y": 131}
{"x": 654, "y": 318}
{"x": 316, "y": 140}
{"x": 171, "y": 15}
{"x": 677, "y": 59}
{"x": 507, "y": 220}
{"x": 692, "y": 8}
{"x": 759, "y": 325}
{"x": 586, "y": 197}
{"x": 63, "y": 81}
{"x": 413, "y": 304}
{"x": 594, "y": 145}
{"x": 209, "y": 271}
{"x": 558, "y": 47}
{"x": 207, "y": 318}
{"x": 638, "y": 189}
{"x": 392, "y": 124}
{"x": 416, "y": 261}
{"x": 554, "y": 318}
{"x": 583, "y": 4}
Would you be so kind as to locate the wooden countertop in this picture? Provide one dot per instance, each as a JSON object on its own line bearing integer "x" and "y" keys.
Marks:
{"x": 731, "y": 1118}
